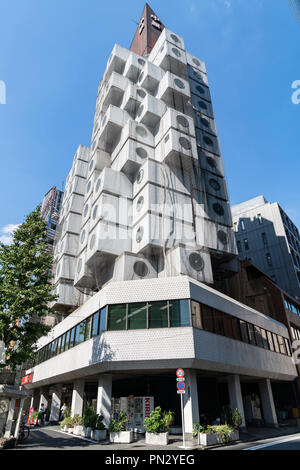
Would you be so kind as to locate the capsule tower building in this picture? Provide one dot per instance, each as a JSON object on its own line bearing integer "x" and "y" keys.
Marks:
{"x": 145, "y": 233}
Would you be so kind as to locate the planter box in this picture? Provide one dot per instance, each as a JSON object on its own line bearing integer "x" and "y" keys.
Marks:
{"x": 78, "y": 430}
{"x": 99, "y": 435}
{"x": 65, "y": 429}
{"x": 70, "y": 430}
{"x": 216, "y": 438}
{"x": 86, "y": 432}
{"x": 161, "y": 439}
{"x": 122, "y": 437}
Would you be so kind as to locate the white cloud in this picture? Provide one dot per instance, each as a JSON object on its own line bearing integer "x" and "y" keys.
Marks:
{"x": 227, "y": 4}
{"x": 6, "y": 233}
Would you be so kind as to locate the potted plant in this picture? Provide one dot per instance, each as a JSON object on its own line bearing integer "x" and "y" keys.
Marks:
{"x": 63, "y": 425}
{"x": 69, "y": 424}
{"x": 99, "y": 433}
{"x": 157, "y": 426}
{"x": 118, "y": 429}
{"x": 228, "y": 431}
{"x": 78, "y": 425}
{"x": 88, "y": 421}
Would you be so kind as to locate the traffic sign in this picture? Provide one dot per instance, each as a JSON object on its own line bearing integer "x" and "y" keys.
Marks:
{"x": 180, "y": 385}
{"x": 180, "y": 373}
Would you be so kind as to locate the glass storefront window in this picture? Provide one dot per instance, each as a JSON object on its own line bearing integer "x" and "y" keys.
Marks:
{"x": 196, "y": 314}
{"x": 158, "y": 315}
{"x": 102, "y": 319}
{"x": 179, "y": 313}
{"x": 72, "y": 337}
{"x": 87, "y": 333}
{"x": 287, "y": 346}
{"x": 137, "y": 316}
{"x": 236, "y": 328}
{"x": 80, "y": 330}
{"x": 258, "y": 337}
{"x": 207, "y": 317}
{"x": 251, "y": 334}
{"x": 67, "y": 343}
{"x": 219, "y": 322}
{"x": 116, "y": 317}
{"x": 244, "y": 331}
{"x": 264, "y": 338}
{"x": 275, "y": 341}
{"x": 270, "y": 341}
{"x": 95, "y": 327}
{"x": 281, "y": 345}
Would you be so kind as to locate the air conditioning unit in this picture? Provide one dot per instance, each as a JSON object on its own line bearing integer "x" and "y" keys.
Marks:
{"x": 129, "y": 267}
{"x": 190, "y": 262}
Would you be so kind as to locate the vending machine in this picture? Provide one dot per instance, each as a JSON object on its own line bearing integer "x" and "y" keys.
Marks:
{"x": 136, "y": 408}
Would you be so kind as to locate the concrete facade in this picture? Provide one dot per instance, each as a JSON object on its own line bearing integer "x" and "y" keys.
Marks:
{"x": 268, "y": 237}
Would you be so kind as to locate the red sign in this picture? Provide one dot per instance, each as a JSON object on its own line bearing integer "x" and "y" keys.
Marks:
{"x": 27, "y": 379}
{"x": 180, "y": 373}
{"x": 147, "y": 407}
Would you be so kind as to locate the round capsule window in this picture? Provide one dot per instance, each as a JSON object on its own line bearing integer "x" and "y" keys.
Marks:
{"x": 179, "y": 83}
{"x": 202, "y": 105}
{"x": 211, "y": 162}
{"x": 82, "y": 237}
{"x": 141, "y": 62}
{"x": 89, "y": 186}
{"x": 139, "y": 234}
{"x": 95, "y": 212}
{"x": 196, "y": 261}
{"x": 94, "y": 145}
{"x": 176, "y": 52}
{"x": 58, "y": 269}
{"x": 103, "y": 121}
{"x": 92, "y": 242}
{"x": 218, "y": 209}
{"x": 141, "y": 131}
{"x": 86, "y": 209}
{"x": 140, "y": 203}
{"x": 196, "y": 62}
{"x": 140, "y": 268}
{"x": 175, "y": 38}
{"x": 96, "y": 127}
{"x": 214, "y": 184}
{"x": 141, "y": 152}
{"x": 204, "y": 122}
{"x": 140, "y": 176}
{"x": 141, "y": 93}
{"x": 98, "y": 184}
{"x": 140, "y": 111}
{"x": 223, "y": 237}
{"x": 79, "y": 265}
{"x": 207, "y": 140}
{"x": 91, "y": 165}
{"x": 200, "y": 90}
{"x": 182, "y": 121}
{"x": 185, "y": 143}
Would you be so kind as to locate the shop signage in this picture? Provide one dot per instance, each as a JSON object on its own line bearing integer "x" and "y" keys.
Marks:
{"x": 27, "y": 379}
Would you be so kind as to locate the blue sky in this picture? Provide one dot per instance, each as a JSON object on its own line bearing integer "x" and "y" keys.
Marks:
{"x": 53, "y": 54}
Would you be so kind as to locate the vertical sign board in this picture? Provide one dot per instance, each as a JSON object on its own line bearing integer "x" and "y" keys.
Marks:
{"x": 181, "y": 390}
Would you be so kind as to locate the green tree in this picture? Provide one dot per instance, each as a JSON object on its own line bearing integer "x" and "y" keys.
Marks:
{"x": 25, "y": 289}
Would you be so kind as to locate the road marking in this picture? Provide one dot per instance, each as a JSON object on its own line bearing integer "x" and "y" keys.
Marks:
{"x": 273, "y": 443}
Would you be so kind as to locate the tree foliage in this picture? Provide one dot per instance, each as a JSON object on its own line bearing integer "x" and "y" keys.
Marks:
{"x": 25, "y": 289}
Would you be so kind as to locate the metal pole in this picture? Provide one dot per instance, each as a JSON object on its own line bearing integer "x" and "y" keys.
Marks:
{"x": 182, "y": 418}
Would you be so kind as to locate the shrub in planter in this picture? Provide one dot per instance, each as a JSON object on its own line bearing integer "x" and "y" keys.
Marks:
{"x": 89, "y": 420}
{"x": 63, "y": 424}
{"x": 118, "y": 429}
{"x": 99, "y": 434}
{"x": 220, "y": 434}
{"x": 78, "y": 424}
{"x": 157, "y": 426}
{"x": 68, "y": 425}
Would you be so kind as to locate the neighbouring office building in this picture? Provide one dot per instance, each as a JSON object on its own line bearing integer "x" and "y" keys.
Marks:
{"x": 146, "y": 232}
{"x": 267, "y": 236}
{"x": 50, "y": 210}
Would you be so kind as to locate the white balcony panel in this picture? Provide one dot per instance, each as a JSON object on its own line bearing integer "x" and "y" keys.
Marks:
{"x": 136, "y": 131}
{"x": 71, "y": 224}
{"x": 74, "y": 204}
{"x": 83, "y": 274}
{"x": 132, "y": 98}
{"x": 215, "y": 236}
{"x": 150, "y": 77}
{"x": 176, "y": 120}
{"x": 79, "y": 168}
{"x": 131, "y": 157}
{"x": 109, "y": 208}
{"x": 150, "y": 111}
{"x": 108, "y": 239}
{"x": 162, "y": 201}
{"x": 113, "y": 182}
{"x": 113, "y": 91}
{"x": 66, "y": 296}
{"x": 173, "y": 90}
{"x": 166, "y": 35}
{"x": 154, "y": 232}
{"x": 154, "y": 172}
{"x": 65, "y": 268}
{"x": 176, "y": 148}
{"x": 111, "y": 127}
{"x": 77, "y": 185}
{"x": 117, "y": 60}
{"x": 133, "y": 66}
{"x": 171, "y": 59}
{"x": 82, "y": 153}
{"x": 83, "y": 237}
{"x": 99, "y": 160}
{"x": 190, "y": 262}
{"x": 129, "y": 267}
{"x": 195, "y": 62}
